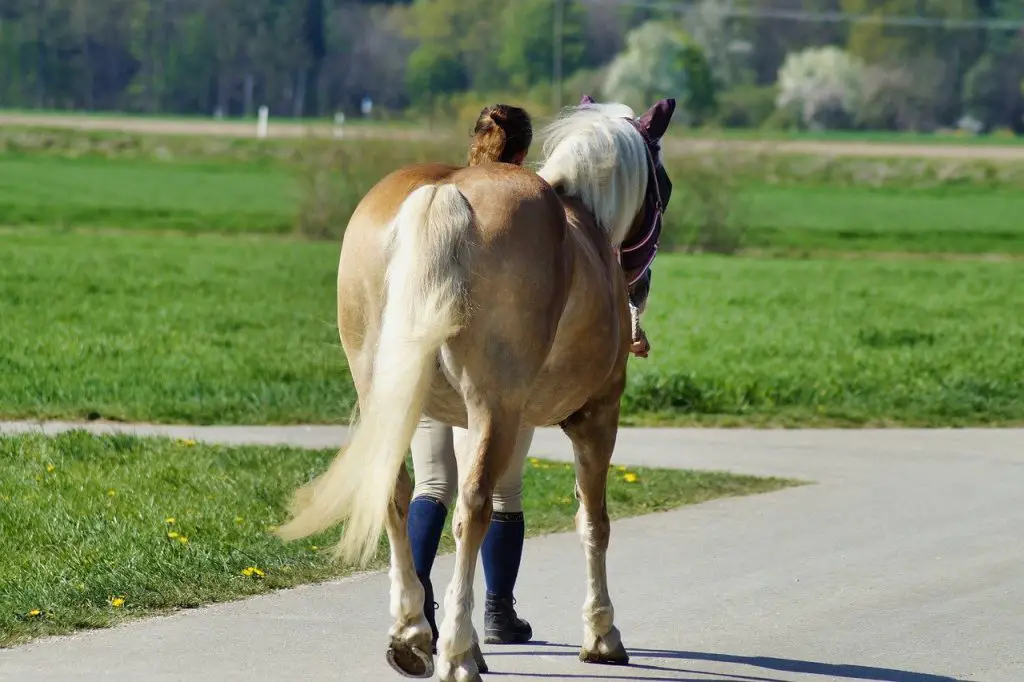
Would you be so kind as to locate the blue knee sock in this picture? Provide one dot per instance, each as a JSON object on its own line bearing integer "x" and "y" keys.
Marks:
{"x": 426, "y": 523}
{"x": 502, "y": 552}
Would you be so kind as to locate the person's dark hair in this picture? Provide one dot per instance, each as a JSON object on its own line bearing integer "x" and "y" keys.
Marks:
{"x": 501, "y": 133}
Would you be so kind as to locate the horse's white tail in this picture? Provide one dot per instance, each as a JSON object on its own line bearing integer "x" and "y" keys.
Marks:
{"x": 426, "y": 285}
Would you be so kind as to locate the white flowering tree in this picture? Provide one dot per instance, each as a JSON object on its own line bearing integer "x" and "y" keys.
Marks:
{"x": 822, "y": 86}
{"x": 660, "y": 61}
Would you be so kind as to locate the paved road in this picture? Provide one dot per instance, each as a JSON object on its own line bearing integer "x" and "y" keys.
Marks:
{"x": 903, "y": 562}
{"x": 679, "y": 144}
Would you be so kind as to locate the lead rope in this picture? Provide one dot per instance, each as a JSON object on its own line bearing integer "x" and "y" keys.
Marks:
{"x": 634, "y": 311}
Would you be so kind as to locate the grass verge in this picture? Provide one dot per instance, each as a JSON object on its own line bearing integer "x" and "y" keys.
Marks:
{"x": 210, "y": 329}
{"x": 101, "y": 529}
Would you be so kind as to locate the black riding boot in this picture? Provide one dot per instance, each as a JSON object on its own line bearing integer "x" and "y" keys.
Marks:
{"x": 430, "y": 611}
{"x": 501, "y": 624}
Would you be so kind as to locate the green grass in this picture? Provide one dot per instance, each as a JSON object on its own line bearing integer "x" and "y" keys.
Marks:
{"x": 264, "y": 198}
{"x": 146, "y": 195}
{"x": 865, "y": 219}
{"x": 85, "y": 522}
{"x": 176, "y": 328}
{"x": 209, "y": 329}
{"x": 833, "y": 341}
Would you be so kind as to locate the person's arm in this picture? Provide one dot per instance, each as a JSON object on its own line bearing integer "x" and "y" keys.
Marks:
{"x": 640, "y": 347}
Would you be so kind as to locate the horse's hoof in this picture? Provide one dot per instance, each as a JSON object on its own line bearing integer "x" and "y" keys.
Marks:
{"x": 617, "y": 656}
{"x": 409, "y": 660}
{"x": 478, "y": 656}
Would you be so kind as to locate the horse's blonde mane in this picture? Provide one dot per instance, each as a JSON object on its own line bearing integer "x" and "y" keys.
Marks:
{"x": 594, "y": 154}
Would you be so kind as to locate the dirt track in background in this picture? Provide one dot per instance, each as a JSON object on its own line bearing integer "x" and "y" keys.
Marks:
{"x": 294, "y": 130}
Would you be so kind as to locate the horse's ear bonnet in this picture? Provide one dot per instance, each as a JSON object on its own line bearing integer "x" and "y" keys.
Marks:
{"x": 655, "y": 121}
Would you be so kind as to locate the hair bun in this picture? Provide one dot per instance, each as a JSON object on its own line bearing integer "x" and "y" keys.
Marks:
{"x": 501, "y": 133}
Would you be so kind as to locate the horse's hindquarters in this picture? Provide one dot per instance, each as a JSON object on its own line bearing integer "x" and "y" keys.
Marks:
{"x": 519, "y": 279}
{"x": 589, "y": 352}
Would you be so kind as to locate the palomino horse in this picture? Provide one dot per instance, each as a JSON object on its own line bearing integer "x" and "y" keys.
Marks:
{"x": 491, "y": 298}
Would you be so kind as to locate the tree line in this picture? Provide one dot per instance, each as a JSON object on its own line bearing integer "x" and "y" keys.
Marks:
{"x": 314, "y": 57}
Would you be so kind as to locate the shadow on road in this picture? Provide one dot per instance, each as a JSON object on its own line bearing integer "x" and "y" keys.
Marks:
{"x": 637, "y": 667}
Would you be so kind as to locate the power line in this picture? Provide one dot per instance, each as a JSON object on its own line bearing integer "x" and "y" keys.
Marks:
{"x": 805, "y": 16}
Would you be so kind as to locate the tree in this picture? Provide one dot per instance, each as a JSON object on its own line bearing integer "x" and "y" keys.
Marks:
{"x": 526, "y": 55}
{"x": 822, "y": 86}
{"x": 661, "y": 61}
{"x": 903, "y": 96}
{"x": 456, "y": 47}
{"x": 708, "y": 24}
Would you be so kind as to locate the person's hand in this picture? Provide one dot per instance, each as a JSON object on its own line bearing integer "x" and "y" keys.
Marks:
{"x": 640, "y": 347}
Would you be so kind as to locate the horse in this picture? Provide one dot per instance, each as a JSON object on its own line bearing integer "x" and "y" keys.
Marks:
{"x": 493, "y": 298}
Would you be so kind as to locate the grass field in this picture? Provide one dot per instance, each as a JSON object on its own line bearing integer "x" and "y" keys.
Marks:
{"x": 172, "y": 328}
{"x": 893, "y": 220}
{"x": 146, "y": 195}
{"x": 102, "y": 529}
{"x": 216, "y": 196}
{"x": 210, "y": 329}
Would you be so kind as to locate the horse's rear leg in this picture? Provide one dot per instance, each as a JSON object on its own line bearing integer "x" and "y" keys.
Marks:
{"x": 411, "y": 637}
{"x": 593, "y": 431}
{"x": 489, "y": 447}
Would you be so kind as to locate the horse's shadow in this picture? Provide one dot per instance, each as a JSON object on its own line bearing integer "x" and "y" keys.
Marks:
{"x": 639, "y": 670}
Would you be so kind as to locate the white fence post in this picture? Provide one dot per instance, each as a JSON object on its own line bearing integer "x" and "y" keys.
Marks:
{"x": 339, "y": 125}
{"x": 261, "y": 126}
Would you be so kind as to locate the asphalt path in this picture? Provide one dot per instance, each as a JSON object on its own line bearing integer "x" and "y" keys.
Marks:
{"x": 677, "y": 143}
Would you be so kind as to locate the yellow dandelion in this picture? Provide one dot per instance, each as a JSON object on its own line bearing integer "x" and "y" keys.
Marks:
{"x": 50, "y": 468}
{"x": 173, "y": 535}
{"x": 314, "y": 548}
{"x": 169, "y": 520}
{"x": 622, "y": 467}
{"x": 239, "y": 519}
{"x": 534, "y": 461}
{"x": 117, "y": 602}
{"x": 183, "y": 539}
{"x": 252, "y": 572}
{"x": 187, "y": 442}
{"x": 111, "y": 493}
{"x": 630, "y": 477}
{"x": 35, "y": 612}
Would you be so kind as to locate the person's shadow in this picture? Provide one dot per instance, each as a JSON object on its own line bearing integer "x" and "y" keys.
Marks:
{"x": 637, "y": 667}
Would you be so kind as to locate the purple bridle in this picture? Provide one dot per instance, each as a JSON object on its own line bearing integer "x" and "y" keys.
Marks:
{"x": 639, "y": 253}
